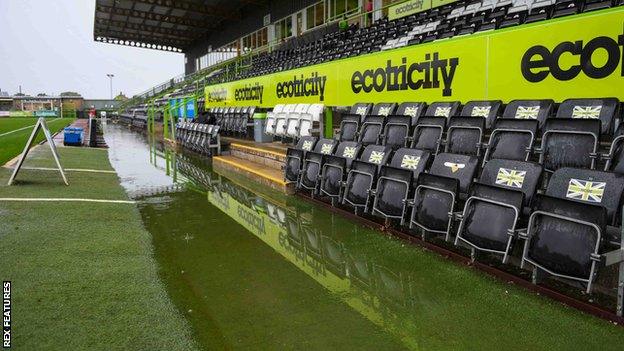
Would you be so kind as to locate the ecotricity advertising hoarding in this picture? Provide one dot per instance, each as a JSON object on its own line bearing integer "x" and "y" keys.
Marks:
{"x": 578, "y": 56}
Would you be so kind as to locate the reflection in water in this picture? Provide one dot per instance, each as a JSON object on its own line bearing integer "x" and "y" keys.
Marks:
{"x": 351, "y": 287}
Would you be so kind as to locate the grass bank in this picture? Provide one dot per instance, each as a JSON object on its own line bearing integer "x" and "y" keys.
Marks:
{"x": 83, "y": 274}
{"x": 13, "y": 143}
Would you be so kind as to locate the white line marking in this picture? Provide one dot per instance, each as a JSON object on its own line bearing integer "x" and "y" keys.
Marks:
{"x": 68, "y": 169}
{"x": 17, "y": 130}
{"x": 66, "y": 200}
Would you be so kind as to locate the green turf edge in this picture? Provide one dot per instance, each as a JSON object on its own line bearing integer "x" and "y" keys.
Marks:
{"x": 84, "y": 275}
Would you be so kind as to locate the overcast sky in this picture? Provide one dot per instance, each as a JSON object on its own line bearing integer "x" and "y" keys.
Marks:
{"x": 47, "y": 46}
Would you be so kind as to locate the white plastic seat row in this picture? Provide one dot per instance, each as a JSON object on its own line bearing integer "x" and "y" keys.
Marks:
{"x": 293, "y": 120}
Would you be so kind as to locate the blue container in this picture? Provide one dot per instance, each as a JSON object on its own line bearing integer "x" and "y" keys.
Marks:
{"x": 72, "y": 136}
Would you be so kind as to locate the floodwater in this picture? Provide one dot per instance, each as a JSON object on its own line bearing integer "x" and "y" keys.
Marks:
{"x": 254, "y": 269}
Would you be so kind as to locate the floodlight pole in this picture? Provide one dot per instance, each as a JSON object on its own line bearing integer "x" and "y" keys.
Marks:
{"x": 109, "y": 75}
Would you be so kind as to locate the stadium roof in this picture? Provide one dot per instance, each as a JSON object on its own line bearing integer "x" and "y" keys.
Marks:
{"x": 170, "y": 25}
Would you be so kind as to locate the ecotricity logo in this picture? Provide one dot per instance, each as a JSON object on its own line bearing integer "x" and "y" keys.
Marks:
{"x": 427, "y": 74}
{"x": 314, "y": 85}
{"x": 217, "y": 95}
{"x": 250, "y": 92}
{"x": 538, "y": 61}
{"x": 410, "y": 6}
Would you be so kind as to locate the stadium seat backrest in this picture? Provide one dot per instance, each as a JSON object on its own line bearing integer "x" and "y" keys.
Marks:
{"x": 428, "y": 133}
{"x": 349, "y": 150}
{"x": 515, "y": 175}
{"x": 411, "y": 109}
{"x": 561, "y": 246}
{"x": 512, "y": 139}
{"x": 460, "y": 167}
{"x": 326, "y": 146}
{"x": 529, "y": 109}
{"x": 486, "y": 109}
{"x": 443, "y": 109}
{"x": 396, "y": 131}
{"x": 306, "y": 143}
{"x": 362, "y": 109}
{"x": 589, "y": 187}
{"x": 349, "y": 127}
{"x": 569, "y": 143}
{"x": 294, "y": 160}
{"x": 464, "y": 135}
{"x": 372, "y": 127}
{"x": 413, "y": 160}
{"x": 383, "y": 109}
{"x": 376, "y": 154}
{"x": 606, "y": 110}
{"x": 316, "y": 112}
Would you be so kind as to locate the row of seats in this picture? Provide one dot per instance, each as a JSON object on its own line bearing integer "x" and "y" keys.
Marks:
{"x": 454, "y": 19}
{"x": 233, "y": 121}
{"x": 201, "y": 138}
{"x": 560, "y": 224}
{"x": 294, "y": 120}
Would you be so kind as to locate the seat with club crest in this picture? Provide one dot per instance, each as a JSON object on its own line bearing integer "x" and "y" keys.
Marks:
{"x": 395, "y": 182}
{"x": 496, "y": 203}
{"x": 362, "y": 176}
{"x": 312, "y": 164}
{"x": 335, "y": 168}
{"x": 437, "y": 192}
{"x": 295, "y": 157}
{"x": 567, "y": 230}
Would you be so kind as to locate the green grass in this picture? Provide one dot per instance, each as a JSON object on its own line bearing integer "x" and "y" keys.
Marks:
{"x": 84, "y": 276}
{"x": 9, "y": 124}
{"x": 13, "y": 144}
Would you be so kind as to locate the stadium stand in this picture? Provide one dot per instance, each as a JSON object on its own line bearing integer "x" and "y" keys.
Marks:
{"x": 487, "y": 191}
{"x": 531, "y": 183}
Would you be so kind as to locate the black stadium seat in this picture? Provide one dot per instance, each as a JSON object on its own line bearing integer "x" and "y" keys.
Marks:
{"x": 511, "y": 139}
{"x": 464, "y": 135}
{"x": 486, "y": 109}
{"x": 411, "y": 109}
{"x": 295, "y": 157}
{"x": 371, "y": 129}
{"x": 362, "y": 176}
{"x": 383, "y": 109}
{"x": 361, "y": 109}
{"x": 437, "y": 192}
{"x": 615, "y": 157}
{"x": 604, "y": 110}
{"x": 312, "y": 164}
{"x": 568, "y": 142}
{"x": 396, "y": 131}
{"x": 443, "y": 109}
{"x": 335, "y": 168}
{"x": 349, "y": 127}
{"x": 529, "y": 109}
{"x": 428, "y": 134}
{"x": 566, "y": 231}
{"x": 395, "y": 181}
{"x": 496, "y": 202}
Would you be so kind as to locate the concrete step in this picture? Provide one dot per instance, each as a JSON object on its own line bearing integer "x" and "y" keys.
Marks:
{"x": 260, "y": 173}
{"x": 265, "y": 156}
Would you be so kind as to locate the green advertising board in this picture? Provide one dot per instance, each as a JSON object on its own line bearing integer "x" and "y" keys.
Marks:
{"x": 557, "y": 59}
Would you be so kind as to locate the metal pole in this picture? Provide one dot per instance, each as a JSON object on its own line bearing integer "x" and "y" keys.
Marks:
{"x": 110, "y": 76}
